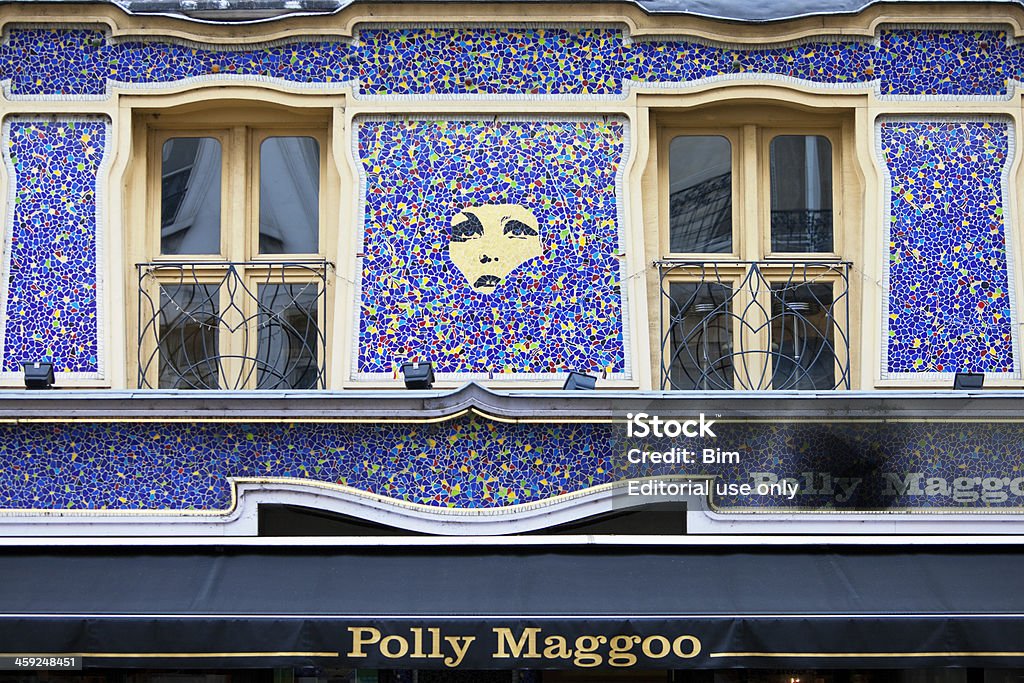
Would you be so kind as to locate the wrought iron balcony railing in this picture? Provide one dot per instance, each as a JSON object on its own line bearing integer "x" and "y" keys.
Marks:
{"x": 206, "y": 325}
{"x": 755, "y": 325}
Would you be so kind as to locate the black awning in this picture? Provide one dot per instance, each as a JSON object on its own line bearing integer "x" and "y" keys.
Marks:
{"x": 516, "y": 607}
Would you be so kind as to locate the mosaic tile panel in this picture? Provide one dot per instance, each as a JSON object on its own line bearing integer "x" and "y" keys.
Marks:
{"x": 560, "y": 310}
{"x": 51, "y": 286}
{"x": 949, "y": 299}
{"x": 474, "y": 463}
{"x": 163, "y": 466}
{"x": 937, "y": 62}
{"x": 581, "y": 61}
{"x": 513, "y": 61}
{"x": 828, "y": 62}
{"x": 50, "y": 61}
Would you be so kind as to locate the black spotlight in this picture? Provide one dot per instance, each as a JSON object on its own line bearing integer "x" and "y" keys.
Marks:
{"x": 578, "y": 380}
{"x": 418, "y": 375}
{"x": 38, "y": 375}
{"x": 965, "y": 381}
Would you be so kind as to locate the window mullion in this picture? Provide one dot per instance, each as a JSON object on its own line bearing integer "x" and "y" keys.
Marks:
{"x": 750, "y": 301}
{"x": 233, "y": 302}
{"x": 749, "y": 232}
{"x": 237, "y": 191}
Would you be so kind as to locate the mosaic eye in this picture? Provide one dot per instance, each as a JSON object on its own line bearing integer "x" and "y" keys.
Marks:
{"x": 467, "y": 229}
{"x": 518, "y": 229}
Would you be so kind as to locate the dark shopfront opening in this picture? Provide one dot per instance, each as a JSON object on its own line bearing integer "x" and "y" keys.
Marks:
{"x": 600, "y": 676}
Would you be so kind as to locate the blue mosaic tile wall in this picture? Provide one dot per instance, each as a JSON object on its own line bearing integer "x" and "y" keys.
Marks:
{"x": 951, "y": 63}
{"x": 827, "y": 62}
{"x": 52, "y": 61}
{"x": 474, "y": 463}
{"x": 537, "y": 329}
{"x": 507, "y": 61}
{"x": 564, "y": 61}
{"x": 51, "y": 290}
{"x": 562, "y": 311}
{"x": 949, "y": 306}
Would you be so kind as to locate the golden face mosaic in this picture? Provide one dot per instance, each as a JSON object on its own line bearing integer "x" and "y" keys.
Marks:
{"x": 490, "y": 246}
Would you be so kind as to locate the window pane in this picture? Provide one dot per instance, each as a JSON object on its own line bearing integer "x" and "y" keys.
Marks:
{"x": 801, "y": 169}
{"x": 802, "y": 337}
{"x": 289, "y": 195}
{"x": 288, "y": 337}
{"x": 700, "y": 194}
{"x": 190, "y": 196}
{"x": 188, "y": 337}
{"x": 700, "y": 338}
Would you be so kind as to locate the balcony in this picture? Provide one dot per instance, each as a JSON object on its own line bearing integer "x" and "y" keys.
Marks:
{"x": 754, "y": 325}
{"x": 220, "y": 325}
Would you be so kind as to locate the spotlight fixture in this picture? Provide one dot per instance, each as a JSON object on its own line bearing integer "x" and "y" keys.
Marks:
{"x": 418, "y": 375}
{"x": 580, "y": 381}
{"x": 38, "y": 375}
{"x": 965, "y": 381}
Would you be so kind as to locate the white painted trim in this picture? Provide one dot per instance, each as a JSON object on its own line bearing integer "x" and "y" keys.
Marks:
{"x": 241, "y": 518}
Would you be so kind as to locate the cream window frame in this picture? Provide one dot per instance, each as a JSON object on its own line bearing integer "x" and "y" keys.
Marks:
{"x": 241, "y": 132}
{"x": 750, "y": 133}
{"x": 738, "y": 237}
{"x": 834, "y": 136}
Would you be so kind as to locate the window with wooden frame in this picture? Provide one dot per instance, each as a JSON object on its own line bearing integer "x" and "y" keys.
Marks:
{"x": 754, "y": 288}
{"x": 232, "y": 281}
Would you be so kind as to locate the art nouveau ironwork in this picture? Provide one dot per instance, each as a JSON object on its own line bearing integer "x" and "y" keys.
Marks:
{"x": 755, "y": 325}
{"x": 232, "y": 325}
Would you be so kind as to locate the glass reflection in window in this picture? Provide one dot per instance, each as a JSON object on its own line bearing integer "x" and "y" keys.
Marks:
{"x": 700, "y": 194}
{"x": 189, "y": 323}
{"x": 190, "y": 196}
{"x": 700, "y": 341}
{"x": 801, "y": 178}
{"x": 802, "y": 337}
{"x": 288, "y": 337}
{"x": 289, "y": 195}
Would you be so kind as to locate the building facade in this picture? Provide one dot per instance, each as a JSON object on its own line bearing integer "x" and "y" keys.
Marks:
{"x": 774, "y": 237}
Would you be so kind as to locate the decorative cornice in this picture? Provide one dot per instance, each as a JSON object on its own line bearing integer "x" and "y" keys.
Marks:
{"x": 525, "y": 406}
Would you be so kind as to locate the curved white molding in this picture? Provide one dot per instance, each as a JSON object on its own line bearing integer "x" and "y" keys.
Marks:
{"x": 248, "y": 494}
